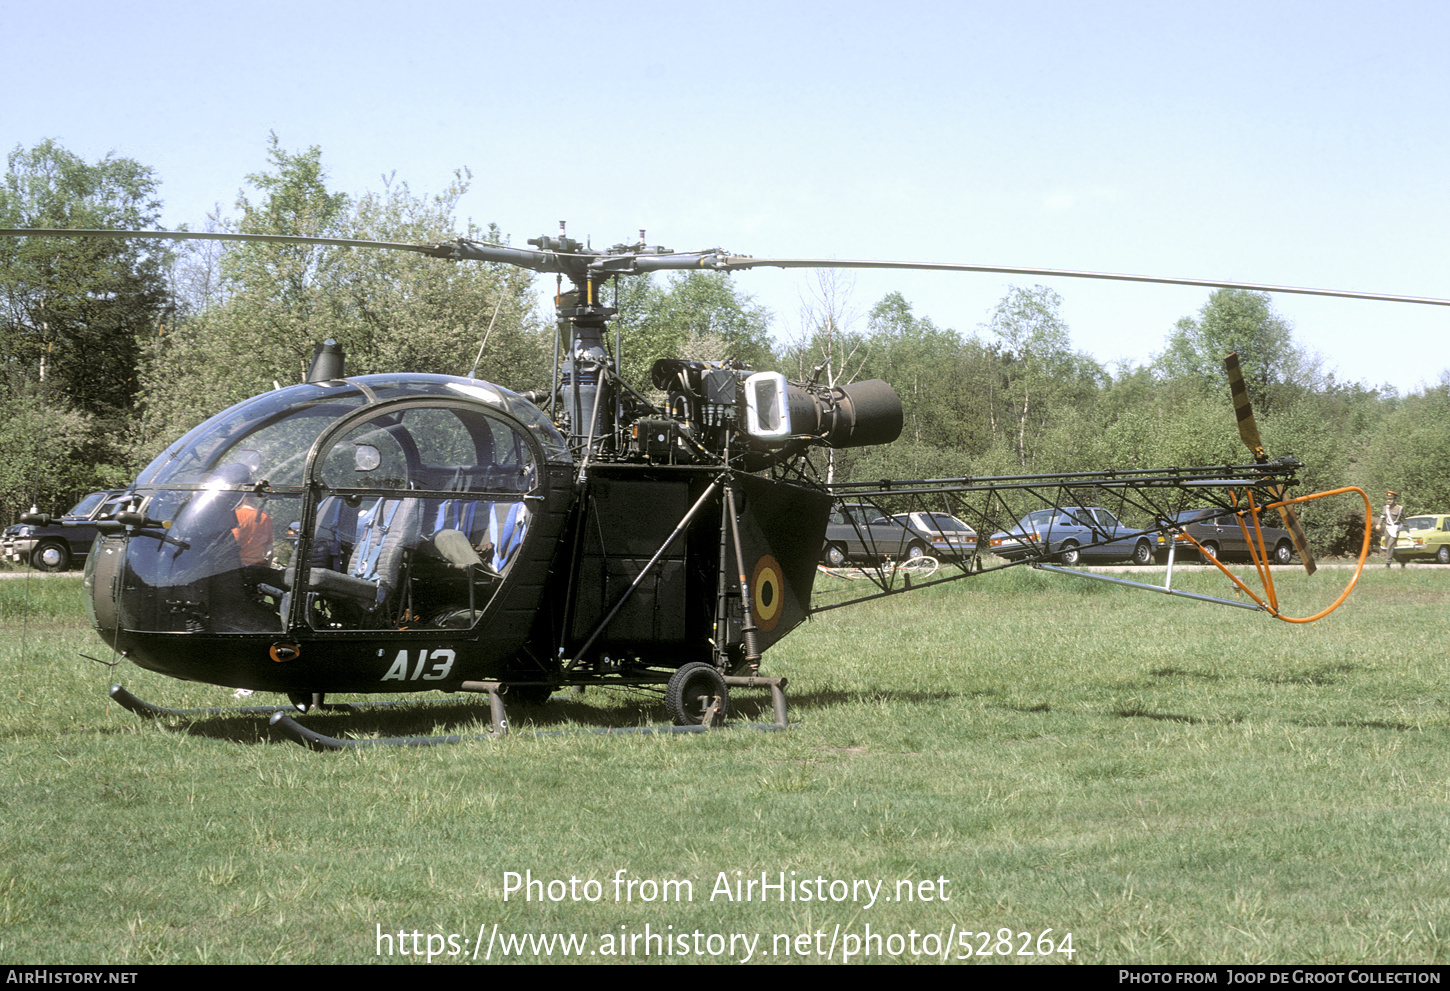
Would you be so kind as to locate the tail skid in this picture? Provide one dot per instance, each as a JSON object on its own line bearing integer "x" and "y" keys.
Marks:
{"x": 1269, "y": 601}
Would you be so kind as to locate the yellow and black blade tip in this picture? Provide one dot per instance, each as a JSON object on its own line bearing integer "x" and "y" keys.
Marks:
{"x": 1249, "y": 431}
{"x": 1243, "y": 409}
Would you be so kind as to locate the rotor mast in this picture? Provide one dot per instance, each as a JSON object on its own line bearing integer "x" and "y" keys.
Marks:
{"x": 585, "y": 391}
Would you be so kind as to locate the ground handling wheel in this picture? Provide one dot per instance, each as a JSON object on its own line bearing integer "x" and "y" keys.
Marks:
{"x": 695, "y": 692}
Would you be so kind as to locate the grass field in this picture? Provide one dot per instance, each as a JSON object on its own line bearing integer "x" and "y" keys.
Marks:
{"x": 1166, "y": 781}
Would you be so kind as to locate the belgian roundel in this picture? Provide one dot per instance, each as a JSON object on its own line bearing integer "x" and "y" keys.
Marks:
{"x": 768, "y": 593}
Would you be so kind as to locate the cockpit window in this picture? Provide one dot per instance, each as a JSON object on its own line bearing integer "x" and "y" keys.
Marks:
{"x": 411, "y": 516}
{"x": 420, "y": 515}
{"x": 278, "y": 428}
{"x": 371, "y": 456}
{"x": 434, "y": 449}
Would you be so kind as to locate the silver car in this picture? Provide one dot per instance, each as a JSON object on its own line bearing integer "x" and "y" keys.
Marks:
{"x": 951, "y": 539}
{"x": 860, "y": 533}
{"x": 1072, "y": 534}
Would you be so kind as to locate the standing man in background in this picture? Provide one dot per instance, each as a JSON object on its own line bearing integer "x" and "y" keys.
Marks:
{"x": 1394, "y": 514}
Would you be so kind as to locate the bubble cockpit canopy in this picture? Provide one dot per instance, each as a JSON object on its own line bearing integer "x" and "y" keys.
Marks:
{"x": 280, "y": 426}
{"x": 343, "y": 505}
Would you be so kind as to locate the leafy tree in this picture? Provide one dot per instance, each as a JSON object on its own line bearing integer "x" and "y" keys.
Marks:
{"x": 1160, "y": 425}
{"x": 392, "y": 311}
{"x": 903, "y": 459}
{"x": 1041, "y": 376}
{"x": 73, "y": 315}
{"x": 698, "y": 315}
{"x": 74, "y": 308}
{"x": 1409, "y": 449}
{"x": 923, "y": 363}
{"x": 50, "y": 456}
{"x": 297, "y": 201}
{"x": 407, "y": 312}
{"x": 1313, "y": 430}
{"x": 1245, "y": 322}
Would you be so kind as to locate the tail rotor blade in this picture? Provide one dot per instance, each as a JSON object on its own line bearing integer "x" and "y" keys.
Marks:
{"x": 1249, "y": 431}
{"x": 1243, "y": 410}
{"x": 1296, "y": 534}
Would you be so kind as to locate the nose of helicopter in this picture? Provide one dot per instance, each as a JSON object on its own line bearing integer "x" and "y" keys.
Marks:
{"x": 386, "y": 504}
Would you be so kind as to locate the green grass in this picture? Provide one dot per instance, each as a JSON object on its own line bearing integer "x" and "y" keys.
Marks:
{"x": 1168, "y": 781}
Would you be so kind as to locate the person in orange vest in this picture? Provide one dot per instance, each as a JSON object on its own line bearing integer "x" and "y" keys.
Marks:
{"x": 253, "y": 532}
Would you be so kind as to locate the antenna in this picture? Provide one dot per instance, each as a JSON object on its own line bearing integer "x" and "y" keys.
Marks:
{"x": 479, "y": 357}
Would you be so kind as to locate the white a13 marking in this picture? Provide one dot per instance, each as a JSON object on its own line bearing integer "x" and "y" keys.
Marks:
{"x": 437, "y": 664}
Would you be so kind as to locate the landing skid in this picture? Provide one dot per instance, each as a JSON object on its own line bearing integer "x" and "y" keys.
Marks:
{"x": 713, "y": 712}
{"x": 147, "y": 710}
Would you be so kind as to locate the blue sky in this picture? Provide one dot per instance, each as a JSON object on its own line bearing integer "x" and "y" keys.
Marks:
{"x": 1285, "y": 143}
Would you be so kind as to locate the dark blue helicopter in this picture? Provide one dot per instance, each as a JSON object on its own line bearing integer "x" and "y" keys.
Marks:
{"x": 398, "y": 533}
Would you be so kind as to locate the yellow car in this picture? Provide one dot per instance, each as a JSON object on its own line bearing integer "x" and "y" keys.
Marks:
{"x": 1423, "y": 538}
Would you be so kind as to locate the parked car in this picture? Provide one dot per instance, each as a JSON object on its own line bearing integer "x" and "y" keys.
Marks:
{"x": 57, "y": 547}
{"x": 951, "y": 539}
{"x": 1073, "y": 534}
{"x": 863, "y": 534}
{"x": 1425, "y": 538}
{"x": 1222, "y": 537}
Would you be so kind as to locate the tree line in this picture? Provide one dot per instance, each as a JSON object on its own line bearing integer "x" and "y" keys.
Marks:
{"x": 114, "y": 348}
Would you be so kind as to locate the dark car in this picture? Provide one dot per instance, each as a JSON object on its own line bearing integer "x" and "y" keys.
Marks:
{"x": 863, "y": 534}
{"x": 1222, "y": 537}
{"x": 56, "y": 547}
{"x": 1073, "y": 534}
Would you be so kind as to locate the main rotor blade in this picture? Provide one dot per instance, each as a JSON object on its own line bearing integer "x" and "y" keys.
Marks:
{"x": 626, "y": 261}
{"x": 1249, "y": 431}
{"x": 737, "y": 262}
{"x": 459, "y": 250}
{"x": 340, "y": 242}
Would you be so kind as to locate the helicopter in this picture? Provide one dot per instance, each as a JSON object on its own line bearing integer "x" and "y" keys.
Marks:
{"x": 400, "y": 533}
